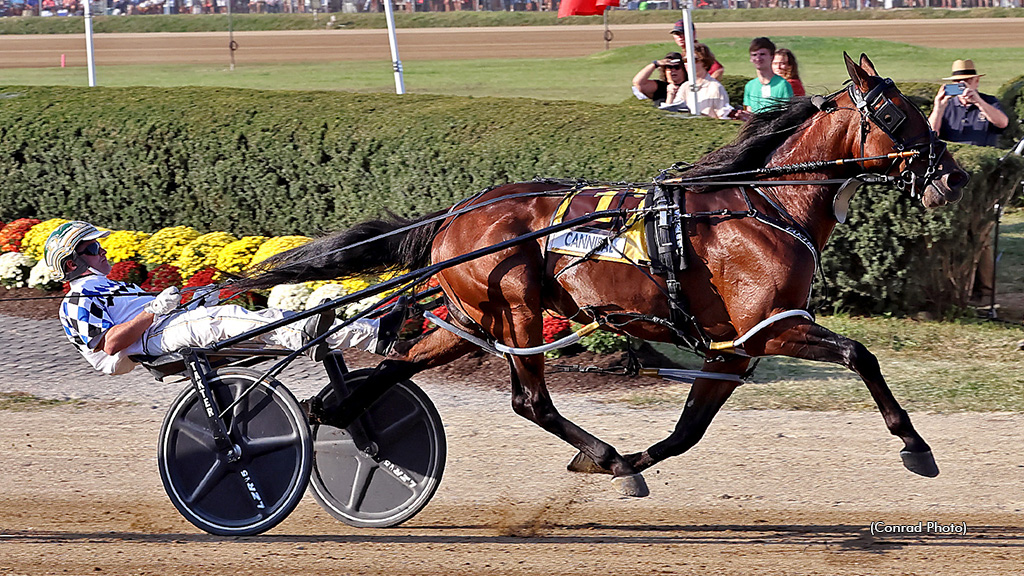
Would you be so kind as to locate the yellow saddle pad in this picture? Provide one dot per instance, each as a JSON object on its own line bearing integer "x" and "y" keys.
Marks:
{"x": 618, "y": 239}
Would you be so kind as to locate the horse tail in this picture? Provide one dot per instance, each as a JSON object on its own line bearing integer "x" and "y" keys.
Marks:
{"x": 370, "y": 246}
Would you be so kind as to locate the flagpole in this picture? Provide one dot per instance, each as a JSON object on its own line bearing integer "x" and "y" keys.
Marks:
{"x": 90, "y": 54}
{"x": 393, "y": 42}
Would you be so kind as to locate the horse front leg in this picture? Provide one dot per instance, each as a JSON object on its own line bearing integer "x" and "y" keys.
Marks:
{"x": 531, "y": 400}
{"x": 809, "y": 341}
{"x": 705, "y": 400}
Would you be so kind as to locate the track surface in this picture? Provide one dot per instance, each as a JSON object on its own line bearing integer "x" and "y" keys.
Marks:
{"x": 766, "y": 492}
{"x": 469, "y": 43}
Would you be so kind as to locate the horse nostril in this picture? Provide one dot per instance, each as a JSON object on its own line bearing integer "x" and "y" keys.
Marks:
{"x": 957, "y": 179}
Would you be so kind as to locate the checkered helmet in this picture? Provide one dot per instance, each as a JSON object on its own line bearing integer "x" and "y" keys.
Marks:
{"x": 60, "y": 245}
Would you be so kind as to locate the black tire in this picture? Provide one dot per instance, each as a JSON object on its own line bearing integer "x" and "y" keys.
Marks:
{"x": 385, "y": 468}
{"x": 260, "y": 489}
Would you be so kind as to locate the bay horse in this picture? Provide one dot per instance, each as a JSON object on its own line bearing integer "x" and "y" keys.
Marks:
{"x": 740, "y": 270}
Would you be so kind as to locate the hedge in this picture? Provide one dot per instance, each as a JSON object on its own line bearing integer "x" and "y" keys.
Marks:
{"x": 274, "y": 163}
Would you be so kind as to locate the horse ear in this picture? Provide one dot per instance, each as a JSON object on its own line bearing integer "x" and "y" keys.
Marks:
{"x": 857, "y": 74}
{"x": 866, "y": 64}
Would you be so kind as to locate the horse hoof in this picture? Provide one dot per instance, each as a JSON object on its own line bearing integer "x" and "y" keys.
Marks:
{"x": 585, "y": 464}
{"x": 922, "y": 463}
{"x": 631, "y": 485}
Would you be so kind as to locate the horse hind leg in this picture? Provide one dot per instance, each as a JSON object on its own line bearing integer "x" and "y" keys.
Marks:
{"x": 809, "y": 341}
{"x": 531, "y": 400}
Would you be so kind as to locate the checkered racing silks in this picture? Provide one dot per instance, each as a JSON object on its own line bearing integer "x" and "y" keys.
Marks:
{"x": 92, "y": 306}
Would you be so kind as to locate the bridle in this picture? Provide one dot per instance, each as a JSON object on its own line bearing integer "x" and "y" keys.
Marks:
{"x": 877, "y": 109}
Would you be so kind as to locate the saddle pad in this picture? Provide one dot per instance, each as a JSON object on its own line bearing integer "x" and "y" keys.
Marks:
{"x": 605, "y": 238}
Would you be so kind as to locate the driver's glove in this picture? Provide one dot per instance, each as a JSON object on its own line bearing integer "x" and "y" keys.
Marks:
{"x": 165, "y": 302}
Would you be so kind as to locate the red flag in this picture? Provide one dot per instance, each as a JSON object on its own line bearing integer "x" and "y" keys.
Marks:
{"x": 581, "y": 8}
{"x": 604, "y": 4}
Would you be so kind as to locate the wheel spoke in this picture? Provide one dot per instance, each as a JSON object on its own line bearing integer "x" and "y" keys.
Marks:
{"x": 197, "y": 431}
{"x": 267, "y": 444}
{"x": 398, "y": 429}
{"x": 365, "y": 468}
{"x": 338, "y": 447}
{"x": 213, "y": 476}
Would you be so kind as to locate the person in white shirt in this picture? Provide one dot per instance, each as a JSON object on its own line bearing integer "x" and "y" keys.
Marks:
{"x": 712, "y": 99}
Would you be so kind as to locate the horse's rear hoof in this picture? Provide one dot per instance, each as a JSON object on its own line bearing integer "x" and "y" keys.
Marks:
{"x": 631, "y": 485}
{"x": 585, "y": 464}
{"x": 922, "y": 463}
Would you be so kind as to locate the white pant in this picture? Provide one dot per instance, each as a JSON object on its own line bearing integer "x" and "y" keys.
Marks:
{"x": 207, "y": 326}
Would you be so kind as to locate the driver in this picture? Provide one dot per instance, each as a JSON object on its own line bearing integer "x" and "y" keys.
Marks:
{"x": 110, "y": 321}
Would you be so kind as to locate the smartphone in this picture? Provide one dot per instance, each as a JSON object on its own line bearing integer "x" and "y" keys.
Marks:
{"x": 953, "y": 89}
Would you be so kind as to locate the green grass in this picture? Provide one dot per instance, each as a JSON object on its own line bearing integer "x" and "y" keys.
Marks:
{"x": 218, "y": 22}
{"x": 602, "y": 77}
{"x": 968, "y": 365}
{"x": 19, "y": 401}
{"x": 1010, "y": 271}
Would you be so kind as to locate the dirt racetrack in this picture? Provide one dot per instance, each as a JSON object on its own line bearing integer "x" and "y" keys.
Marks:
{"x": 767, "y": 492}
{"x": 469, "y": 43}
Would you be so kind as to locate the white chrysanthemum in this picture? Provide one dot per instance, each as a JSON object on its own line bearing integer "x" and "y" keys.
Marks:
{"x": 42, "y": 278}
{"x": 325, "y": 292}
{"x": 360, "y": 305}
{"x": 14, "y": 269}
{"x": 289, "y": 297}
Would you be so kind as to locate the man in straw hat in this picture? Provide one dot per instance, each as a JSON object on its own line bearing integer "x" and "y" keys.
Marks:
{"x": 962, "y": 113}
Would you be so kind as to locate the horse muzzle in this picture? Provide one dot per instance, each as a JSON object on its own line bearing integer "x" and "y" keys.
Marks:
{"x": 946, "y": 189}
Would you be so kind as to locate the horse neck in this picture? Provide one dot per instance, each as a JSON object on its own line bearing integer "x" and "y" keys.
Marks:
{"x": 821, "y": 138}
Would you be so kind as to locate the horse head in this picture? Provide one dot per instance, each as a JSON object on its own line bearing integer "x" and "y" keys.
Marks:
{"x": 891, "y": 123}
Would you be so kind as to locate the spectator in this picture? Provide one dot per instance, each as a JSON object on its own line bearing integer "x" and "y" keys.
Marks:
{"x": 768, "y": 88}
{"x": 974, "y": 118}
{"x": 969, "y": 117}
{"x": 716, "y": 70}
{"x": 712, "y": 100}
{"x": 671, "y": 77}
{"x": 784, "y": 64}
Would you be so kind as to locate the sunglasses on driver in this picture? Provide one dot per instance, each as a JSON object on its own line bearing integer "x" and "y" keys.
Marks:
{"x": 91, "y": 248}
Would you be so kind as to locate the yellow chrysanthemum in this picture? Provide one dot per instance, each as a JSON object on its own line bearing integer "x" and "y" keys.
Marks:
{"x": 35, "y": 239}
{"x": 202, "y": 252}
{"x": 124, "y": 245}
{"x": 276, "y": 245}
{"x": 236, "y": 256}
{"x": 166, "y": 245}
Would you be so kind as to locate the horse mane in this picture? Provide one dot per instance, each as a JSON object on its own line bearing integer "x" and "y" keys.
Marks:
{"x": 758, "y": 139}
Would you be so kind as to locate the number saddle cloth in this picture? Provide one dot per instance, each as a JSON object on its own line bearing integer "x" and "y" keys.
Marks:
{"x": 627, "y": 238}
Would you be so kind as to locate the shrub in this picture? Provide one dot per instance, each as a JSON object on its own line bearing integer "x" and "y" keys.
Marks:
{"x": 289, "y": 297}
{"x": 35, "y": 238}
{"x": 203, "y": 252}
{"x": 124, "y": 245}
{"x": 41, "y": 277}
{"x": 237, "y": 255}
{"x": 276, "y": 246}
{"x": 601, "y": 342}
{"x": 161, "y": 277}
{"x": 14, "y": 269}
{"x": 13, "y": 233}
{"x": 555, "y": 327}
{"x": 128, "y": 271}
{"x": 166, "y": 245}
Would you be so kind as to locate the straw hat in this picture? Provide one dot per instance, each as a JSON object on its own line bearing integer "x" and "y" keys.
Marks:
{"x": 962, "y": 70}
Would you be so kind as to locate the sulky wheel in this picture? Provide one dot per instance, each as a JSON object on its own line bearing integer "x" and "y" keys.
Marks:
{"x": 272, "y": 442}
{"x": 385, "y": 467}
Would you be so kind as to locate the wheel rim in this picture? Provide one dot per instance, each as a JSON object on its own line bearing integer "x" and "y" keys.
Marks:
{"x": 262, "y": 487}
{"x": 387, "y": 474}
